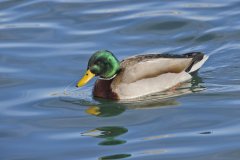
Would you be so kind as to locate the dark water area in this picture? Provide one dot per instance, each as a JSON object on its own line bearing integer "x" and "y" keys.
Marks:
{"x": 44, "y": 49}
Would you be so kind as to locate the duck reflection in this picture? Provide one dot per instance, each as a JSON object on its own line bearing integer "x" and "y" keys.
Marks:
{"x": 116, "y": 108}
{"x": 108, "y": 134}
{"x": 196, "y": 83}
{"x": 105, "y": 110}
{"x": 116, "y": 156}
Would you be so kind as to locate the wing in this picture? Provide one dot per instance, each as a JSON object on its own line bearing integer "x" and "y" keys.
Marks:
{"x": 133, "y": 71}
{"x": 152, "y": 65}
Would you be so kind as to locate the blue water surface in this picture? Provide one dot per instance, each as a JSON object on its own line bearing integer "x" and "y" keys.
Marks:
{"x": 44, "y": 49}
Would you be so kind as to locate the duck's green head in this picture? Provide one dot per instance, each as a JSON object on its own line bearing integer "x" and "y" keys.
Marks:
{"x": 102, "y": 63}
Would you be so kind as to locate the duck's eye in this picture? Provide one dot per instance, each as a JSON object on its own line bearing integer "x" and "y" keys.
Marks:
{"x": 95, "y": 69}
{"x": 98, "y": 63}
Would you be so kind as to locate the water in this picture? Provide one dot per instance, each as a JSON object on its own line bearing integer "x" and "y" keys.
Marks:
{"x": 44, "y": 49}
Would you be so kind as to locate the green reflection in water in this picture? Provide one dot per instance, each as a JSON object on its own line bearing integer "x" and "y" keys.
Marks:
{"x": 108, "y": 134}
{"x": 116, "y": 156}
{"x": 196, "y": 83}
{"x": 106, "y": 110}
{"x": 112, "y": 142}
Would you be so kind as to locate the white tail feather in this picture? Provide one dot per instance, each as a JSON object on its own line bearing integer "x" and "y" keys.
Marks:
{"x": 199, "y": 64}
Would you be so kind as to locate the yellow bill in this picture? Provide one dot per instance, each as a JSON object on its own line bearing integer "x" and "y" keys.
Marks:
{"x": 86, "y": 78}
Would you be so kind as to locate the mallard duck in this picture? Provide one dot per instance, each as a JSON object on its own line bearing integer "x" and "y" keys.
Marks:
{"x": 139, "y": 75}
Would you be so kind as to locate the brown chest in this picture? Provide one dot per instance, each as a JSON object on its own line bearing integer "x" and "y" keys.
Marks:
{"x": 102, "y": 89}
